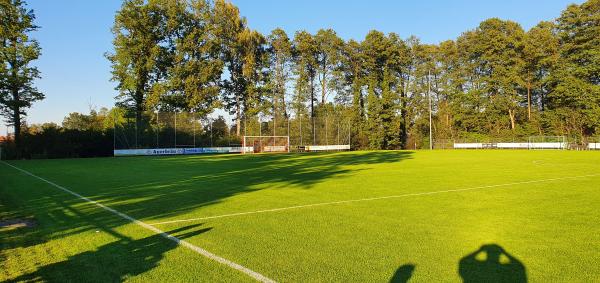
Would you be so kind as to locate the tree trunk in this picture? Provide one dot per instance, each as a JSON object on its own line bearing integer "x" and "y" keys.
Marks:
{"x": 323, "y": 89}
{"x": 16, "y": 101}
{"x": 17, "y": 122}
{"x": 511, "y": 114}
{"x": 403, "y": 129}
{"x": 139, "y": 109}
{"x": 312, "y": 108}
{"x": 282, "y": 91}
{"x": 275, "y": 94}
{"x": 542, "y": 98}
{"x": 448, "y": 123}
{"x": 529, "y": 99}
{"x": 138, "y": 122}
{"x": 238, "y": 115}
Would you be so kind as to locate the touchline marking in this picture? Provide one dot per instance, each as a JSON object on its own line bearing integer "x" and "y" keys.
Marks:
{"x": 371, "y": 199}
{"x": 164, "y": 234}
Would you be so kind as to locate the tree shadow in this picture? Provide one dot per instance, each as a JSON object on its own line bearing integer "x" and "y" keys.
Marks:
{"x": 193, "y": 182}
{"x": 491, "y": 263}
{"x": 148, "y": 188}
{"x": 403, "y": 273}
{"x": 158, "y": 187}
{"x": 113, "y": 262}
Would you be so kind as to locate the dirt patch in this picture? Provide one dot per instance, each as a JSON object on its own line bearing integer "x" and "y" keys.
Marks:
{"x": 17, "y": 223}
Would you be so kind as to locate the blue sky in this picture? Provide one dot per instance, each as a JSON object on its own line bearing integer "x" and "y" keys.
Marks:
{"x": 75, "y": 34}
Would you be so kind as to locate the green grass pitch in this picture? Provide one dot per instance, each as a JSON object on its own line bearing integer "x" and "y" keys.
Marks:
{"x": 423, "y": 216}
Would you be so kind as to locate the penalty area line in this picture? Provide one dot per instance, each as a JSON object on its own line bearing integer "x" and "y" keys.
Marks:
{"x": 373, "y": 199}
{"x": 196, "y": 249}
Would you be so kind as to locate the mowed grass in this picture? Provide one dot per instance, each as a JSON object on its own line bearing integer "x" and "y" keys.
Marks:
{"x": 535, "y": 213}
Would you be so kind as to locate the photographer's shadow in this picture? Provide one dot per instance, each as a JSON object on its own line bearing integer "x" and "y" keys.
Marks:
{"x": 403, "y": 273}
{"x": 491, "y": 263}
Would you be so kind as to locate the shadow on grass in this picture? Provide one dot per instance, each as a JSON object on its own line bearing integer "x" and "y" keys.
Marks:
{"x": 173, "y": 186}
{"x": 403, "y": 273}
{"x": 146, "y": 188}
{"x": 491, "y": 263}
{"x": 113, "y": 262}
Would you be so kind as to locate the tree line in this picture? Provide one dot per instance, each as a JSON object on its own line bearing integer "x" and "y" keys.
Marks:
{"x": 495, "y": 81}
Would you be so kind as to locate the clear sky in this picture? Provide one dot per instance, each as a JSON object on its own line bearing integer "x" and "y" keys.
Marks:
{"x": 75, "y": 34}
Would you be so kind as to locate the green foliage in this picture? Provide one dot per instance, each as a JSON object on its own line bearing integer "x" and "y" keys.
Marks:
{"x": 244, "y": 53}
{"x": 329, "y": 47}
{"x": 280, "y": 60}
{"x": 17, "y": 51}
{"x": 496, "y": 80}
{"x": 306, "y": 64}
{"x": 194, "y": 74}
{"x": 493, "y": 55}
{"x": 139, "y": 59}
{"x": 576, "y": 77}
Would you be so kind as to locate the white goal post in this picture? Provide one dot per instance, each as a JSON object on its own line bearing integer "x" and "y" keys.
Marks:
{"x": 259, "y": 144}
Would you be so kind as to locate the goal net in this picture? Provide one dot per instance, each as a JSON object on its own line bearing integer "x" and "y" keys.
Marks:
{"x": 258, "y": 144}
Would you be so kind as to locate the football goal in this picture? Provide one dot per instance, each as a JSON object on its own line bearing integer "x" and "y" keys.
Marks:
{"x": 259, "y": 144}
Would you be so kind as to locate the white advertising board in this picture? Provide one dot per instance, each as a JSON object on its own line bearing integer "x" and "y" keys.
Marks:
{"x": 177, "y": 151}
{"x": 507, "y": 145}
{"x": 468, "y": 145}
{"x": 327, "y": 147}
{"x": 512, "y": 145}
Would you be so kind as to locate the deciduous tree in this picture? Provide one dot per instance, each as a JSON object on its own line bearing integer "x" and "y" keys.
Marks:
{"x": 17, "y": 51}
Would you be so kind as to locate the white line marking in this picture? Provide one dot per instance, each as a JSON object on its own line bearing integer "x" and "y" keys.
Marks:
{"x": 373, "y": 198}
{"x": 186, "y": 244}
